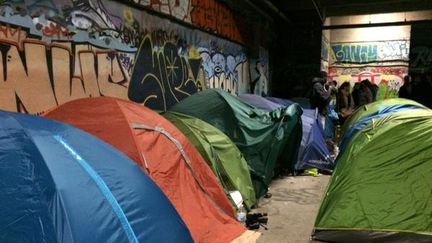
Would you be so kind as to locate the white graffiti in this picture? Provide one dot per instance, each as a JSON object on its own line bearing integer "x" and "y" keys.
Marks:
{"x": 393, "y": 50}
{"x": 261, "y": 82}
{"x": 222, "y": 71}
{"x": 177, "y": 8}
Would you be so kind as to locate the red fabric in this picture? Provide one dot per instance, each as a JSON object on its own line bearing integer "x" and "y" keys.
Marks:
{"x": 207, "y": 213}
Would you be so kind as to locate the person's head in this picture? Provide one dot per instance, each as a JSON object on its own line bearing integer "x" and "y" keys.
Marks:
{"x": 365, "y": 82}
{"x": 318, "y": 80}
{"x": 345, "y": 87}
{"x": 323, "y": 75}
{"x": 407, "y": 79}
{"x": 334, "y": 82}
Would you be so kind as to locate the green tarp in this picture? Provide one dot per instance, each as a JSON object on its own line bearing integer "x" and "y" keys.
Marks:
{"x": 381, "y": 187}
{"x": 263, "y": 137}
{"x": 223, "y": 156}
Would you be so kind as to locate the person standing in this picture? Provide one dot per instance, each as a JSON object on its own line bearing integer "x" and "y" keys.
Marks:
{"x": 406, "y": 91}
{"x": 345, "y": 102}
{"x": 320, "y": 97}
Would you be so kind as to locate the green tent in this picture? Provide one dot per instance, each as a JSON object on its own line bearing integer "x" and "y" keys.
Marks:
{"x": 380, "y": 190}
{"x": 220, "y": 152}
{"x": 371, "y": 108}
{"x": 263, "y": 137}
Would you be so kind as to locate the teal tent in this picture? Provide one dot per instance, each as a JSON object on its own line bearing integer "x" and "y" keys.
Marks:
{"x": 268, "y": 140}
{"x": 223, "y": 156}
{"x": 380, "y": 189}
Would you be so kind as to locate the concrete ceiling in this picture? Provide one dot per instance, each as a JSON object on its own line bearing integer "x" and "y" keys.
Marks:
{"x": 328, "y": 8}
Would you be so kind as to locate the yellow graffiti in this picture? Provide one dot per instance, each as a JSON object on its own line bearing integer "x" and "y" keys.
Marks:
{"x": 128, "y": 17}
{"x": 193, "y": 53}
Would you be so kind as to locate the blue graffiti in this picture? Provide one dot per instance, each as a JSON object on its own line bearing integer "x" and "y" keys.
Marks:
{"x": 355, "y": 53}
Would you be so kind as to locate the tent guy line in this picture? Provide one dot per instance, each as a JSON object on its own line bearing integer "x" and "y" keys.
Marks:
{"x": 178, "y": 145}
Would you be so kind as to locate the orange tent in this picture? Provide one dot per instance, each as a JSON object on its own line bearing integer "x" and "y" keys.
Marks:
{"x": 168, "y": 157}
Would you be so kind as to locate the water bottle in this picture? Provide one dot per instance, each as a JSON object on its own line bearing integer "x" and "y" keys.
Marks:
{"x": 241, "y": 214}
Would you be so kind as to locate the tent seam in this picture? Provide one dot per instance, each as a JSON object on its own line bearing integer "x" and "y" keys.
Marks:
{"x": 142, "y": 160}
{"x": 49, "y": 171}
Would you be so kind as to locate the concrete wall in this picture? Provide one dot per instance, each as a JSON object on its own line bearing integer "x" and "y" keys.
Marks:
{"x": 325, "y": 47}
{"x": 421, "y": 49}
{"x": 371, "y": 34}
{"x": 380, "y": 18}
{"x": 380, "y": 54}
{"x": 297, "y": 56}
{"x": 57, "y": 51}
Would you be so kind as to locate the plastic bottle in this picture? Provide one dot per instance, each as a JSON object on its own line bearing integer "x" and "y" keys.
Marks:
{"x": 241, "y": 214}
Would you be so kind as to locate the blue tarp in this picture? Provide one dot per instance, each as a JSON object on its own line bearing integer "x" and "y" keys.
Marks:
{"x": 60, "y": 184}
{"x": 260, "y": 102}
{"x": 313, "y": 151}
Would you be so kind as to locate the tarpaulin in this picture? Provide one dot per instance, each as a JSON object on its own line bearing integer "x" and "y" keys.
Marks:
{"x": 313, "y": 151}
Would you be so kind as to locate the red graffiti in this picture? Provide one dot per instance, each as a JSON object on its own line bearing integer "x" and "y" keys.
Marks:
{"x": 215, "y": 16}
{"x": 55, "y": 30}
{"x": 366, "y": 75}
{"x": 390, "y": 70}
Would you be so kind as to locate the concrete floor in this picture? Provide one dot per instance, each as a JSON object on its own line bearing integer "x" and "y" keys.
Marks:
{"x": 292, "y": 208}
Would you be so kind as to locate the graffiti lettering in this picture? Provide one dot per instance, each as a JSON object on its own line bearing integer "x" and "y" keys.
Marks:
{"x": 62, "y": 52}
{"x": 208, "y": 14}
{"x": 213, "y": 15}
{"x": 366, "y": 75}
{"x": 222, "y": 71}
{"x": 355, "y": 53}
{"x": 371, "y": 52}
{"x": 160, "y": 78}
{"x": 176, "y": 8}
{"x": 421, "y": 58}
{"x": 53, "y": 29}
{"x": 132, "y": 35}
{"x": 389, "y": 79}
{"x": 37, "y": 76}
{"x": 13, "y": 34}
{"x": 393, "y": 50}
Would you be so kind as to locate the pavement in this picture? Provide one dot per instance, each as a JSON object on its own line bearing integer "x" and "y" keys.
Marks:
{"x": 292, "y": 208}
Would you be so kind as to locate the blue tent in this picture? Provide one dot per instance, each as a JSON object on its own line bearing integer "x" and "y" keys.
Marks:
{"x": 313, "y": 152}
{"x": 60, "y": 184}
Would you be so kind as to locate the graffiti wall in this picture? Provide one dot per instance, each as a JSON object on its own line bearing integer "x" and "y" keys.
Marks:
{"x": 56, "y": 51}
{"x": 371, "y": 51}
{"x": 384, "y": 63}
{"x": 388, "y": 79}
{"x": 211, "y": 15}
{"x": 260, "y": 73}
{"x": 421, "y": 59}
